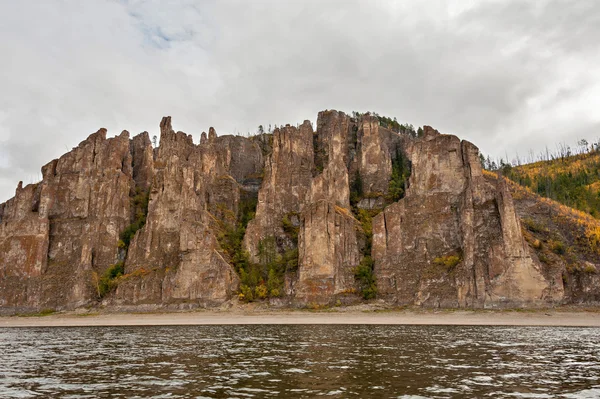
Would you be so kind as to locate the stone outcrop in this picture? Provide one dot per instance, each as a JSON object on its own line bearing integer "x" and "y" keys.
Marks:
{"x": 177, "y": 252}
{"x": 375, "y": 160}
{"x": 455, "y": 239}
{"x": 287, "y": 177}
{"x": 86, "y": 194}
{"x": 328, "y": 253}
{"x": 60, "y": 236}
{"x": 24, "y": 238}
{"x": 142, "y": 159}
{"x": 162, "y": 216}
{"x": 76, "y": 214}
{"x": 328, "y": 243}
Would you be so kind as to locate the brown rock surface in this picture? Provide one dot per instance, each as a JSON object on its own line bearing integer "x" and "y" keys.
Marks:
{"x": 80, "y": 206}
{"x": 454, "y": 240}
{"x": 24, "y": 238}
{"x": 287, "y": 177}
{"x": 328, "y": 253}
{"x": 142, "y": 155}
{"x": 375, "y": 161}
{"x": 328, "y": 243}
{"x": 450, "y": 210}
{"x": 176, "y": 254}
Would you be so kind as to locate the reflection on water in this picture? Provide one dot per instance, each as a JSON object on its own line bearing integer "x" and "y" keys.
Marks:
{"x": 300, "y": 361}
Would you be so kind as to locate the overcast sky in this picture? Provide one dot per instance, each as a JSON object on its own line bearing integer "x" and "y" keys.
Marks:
{"x": 508, "y": 75}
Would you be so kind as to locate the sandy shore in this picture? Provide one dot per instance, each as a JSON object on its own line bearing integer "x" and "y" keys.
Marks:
{"x": 407, "y": 317}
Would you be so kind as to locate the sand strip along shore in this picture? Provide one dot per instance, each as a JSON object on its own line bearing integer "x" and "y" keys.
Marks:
{"x": 484, "y": 318}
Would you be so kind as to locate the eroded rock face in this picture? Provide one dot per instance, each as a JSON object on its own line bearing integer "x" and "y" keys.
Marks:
{"x": 332, "y": 184}
{"x": 24, "y": 238}
{"x": 86, "y": 194}
{"x": 142, "y": 156}
{"x": 328, "y": 244}
{"x": 176, "y": 254}
{"x": 455, "y": 239}
{"x": 76, "y": 214}
{"x": 287, "y": 177}
{"x": 61, "y": 235}
{"x": 375, "y": 165}
{"x": 328, "y": 253}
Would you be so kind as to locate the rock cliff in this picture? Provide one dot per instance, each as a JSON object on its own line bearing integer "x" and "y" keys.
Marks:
{"x": 328, "y": 240}
{"x": 57, "y": 233}
{"x": 348, "y": 211}
{"x": 455, "y": 239}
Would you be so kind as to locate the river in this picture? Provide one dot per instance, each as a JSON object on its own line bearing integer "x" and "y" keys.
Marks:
{"x": 300, "y": 361}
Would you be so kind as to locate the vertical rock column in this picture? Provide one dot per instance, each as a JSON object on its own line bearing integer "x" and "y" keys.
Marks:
{"x": 287, "y": 177}
{"x": 74, "y": 219}
{"x": 142, "y": 155}
{"x": 24, "y": 239}
{"x": 455, "y": 239}
{"x": 176, "y": 253}
{"x": 86, "y": 195}
{"x": 328, "y": 240}
{"x": 375, "y": 165}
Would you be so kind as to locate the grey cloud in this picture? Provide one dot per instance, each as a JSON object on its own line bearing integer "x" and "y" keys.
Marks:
{"x": 571, "y": 26}
{"x": 506, "y": 75}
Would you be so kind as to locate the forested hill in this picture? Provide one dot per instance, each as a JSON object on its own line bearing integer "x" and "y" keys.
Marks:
{"x": 573, "y": 180}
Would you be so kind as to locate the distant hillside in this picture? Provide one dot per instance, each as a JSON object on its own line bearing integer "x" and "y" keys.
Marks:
{"x": 571, "y": 180}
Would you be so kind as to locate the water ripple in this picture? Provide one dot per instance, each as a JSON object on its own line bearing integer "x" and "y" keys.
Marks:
{"x": 300, "y": 362}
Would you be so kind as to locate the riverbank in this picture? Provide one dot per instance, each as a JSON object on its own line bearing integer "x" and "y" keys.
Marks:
{"x": 553, "y": 317}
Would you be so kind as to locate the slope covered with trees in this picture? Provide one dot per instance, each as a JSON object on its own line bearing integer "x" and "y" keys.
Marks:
{"x": 572, "y": 180}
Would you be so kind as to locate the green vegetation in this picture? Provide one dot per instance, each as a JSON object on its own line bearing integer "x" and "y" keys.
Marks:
{"x": 558, "y": 247}
{"x": 534, "y": 226}
{"x": 139, "y": 204}
{"x": 564, "y": 228}
{"x": 265, "y": 278}
{"x": 231, "y": 236}
{"x": 289, "y": 228}
{"x": 572, "y": 180}
{"x": 400, "y": 174}
{"x": 401, "y": 170}
{"x": 364, "y": 272}
{"x": 356, "y": 190}
{"x": 544, "y": 259}
{"x": 576, "y": 268}
{"x": 448, "y": 262}
{"x": 366, "y": 278}
{"x": 551, "y": 246}
{"x": 41, "y": 313}
{"x": 109, "y": 280}
{"x": 392, "y": 124}
{"x": 247, "y": 208}
{"x": 590, "y": 269}
{"x": 365, "y": 217}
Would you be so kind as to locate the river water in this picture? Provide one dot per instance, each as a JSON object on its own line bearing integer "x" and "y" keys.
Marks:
{"x": 292, "y": 361}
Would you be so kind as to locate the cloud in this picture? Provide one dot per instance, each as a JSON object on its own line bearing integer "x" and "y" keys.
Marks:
{"x": 507, "y": 75}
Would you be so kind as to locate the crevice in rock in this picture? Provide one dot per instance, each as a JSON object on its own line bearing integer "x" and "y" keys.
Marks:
{"x": 139, "y": 212}
{"x": 321, "y": 158}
